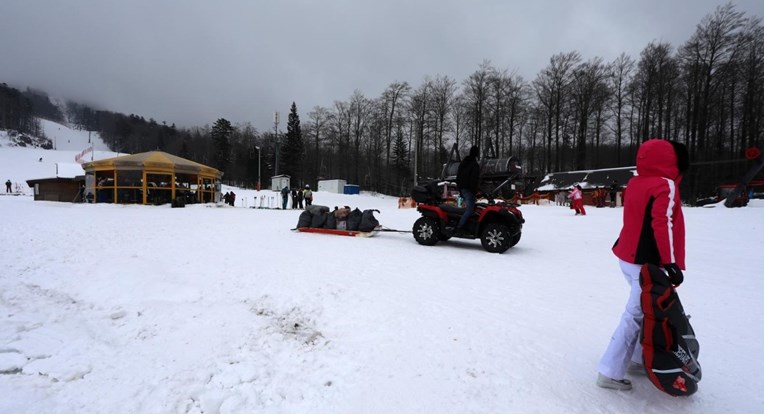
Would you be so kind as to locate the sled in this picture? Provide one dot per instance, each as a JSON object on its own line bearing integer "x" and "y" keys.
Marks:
{"x": 670, "y": 347}
{"x": 339, "y": 232}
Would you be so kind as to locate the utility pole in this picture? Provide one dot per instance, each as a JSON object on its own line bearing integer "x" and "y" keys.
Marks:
{"x": 258, "y": 148}
{"x": 276, "y": 139}
{"x": 415, "y": 161}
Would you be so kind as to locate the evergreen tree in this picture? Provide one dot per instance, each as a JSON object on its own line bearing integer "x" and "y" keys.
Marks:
{"x": 185, "y": 149}
{"x": 292, "y": 149}
{"x": 221, "y": 134}
{"x": 400, "y": 161}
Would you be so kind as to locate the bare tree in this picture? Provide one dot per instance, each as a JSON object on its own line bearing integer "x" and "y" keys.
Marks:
{"x": 392, "y": 98}
{"x": 620, "y": 71}
{"x": 554, "y": 81}
{"x": 459, "y": 115}
{"x": 751, "y": 73}
{"x": 418, "y": 113}
{"x": 442, "y": 99}
{"x": 545, "y": 108}
{"x": 341, "y": 132}
{"x": 359, "y": 108}
{"x": 317, "y": 131}
{"x": 654, "y": 83}
{"x": 476, "y": 93}
{"x": 587, "y": 89}
{"x": 517, "y": 97}
{"x": 702, "y": 57}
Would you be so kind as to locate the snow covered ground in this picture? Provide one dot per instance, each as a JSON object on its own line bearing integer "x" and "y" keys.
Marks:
{"x": 142, "y": 309}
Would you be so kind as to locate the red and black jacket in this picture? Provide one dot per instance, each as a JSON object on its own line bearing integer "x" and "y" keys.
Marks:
{"x": 654, "y": 229}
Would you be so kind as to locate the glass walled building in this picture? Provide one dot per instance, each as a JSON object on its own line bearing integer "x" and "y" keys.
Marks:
{"x": 154, "y": 177}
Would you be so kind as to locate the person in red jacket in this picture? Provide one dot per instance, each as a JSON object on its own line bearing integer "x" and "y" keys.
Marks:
{"x": 653, "y": 231}
{"x": 576, "y": 200}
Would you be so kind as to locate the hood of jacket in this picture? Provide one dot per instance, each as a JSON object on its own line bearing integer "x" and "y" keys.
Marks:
{"x": 657, "y": 158}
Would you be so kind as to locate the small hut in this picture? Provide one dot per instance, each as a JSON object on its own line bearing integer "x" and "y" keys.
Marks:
{"x": 153, "y": 177}
{"x": 65, "y": 186}
{"x": 280, "y": 181}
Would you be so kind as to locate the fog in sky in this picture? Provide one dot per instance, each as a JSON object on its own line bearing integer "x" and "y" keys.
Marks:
{"x": 190, "y": 62}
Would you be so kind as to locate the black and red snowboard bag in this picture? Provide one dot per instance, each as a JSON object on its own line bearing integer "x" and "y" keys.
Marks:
{"x": 670, "y": 348}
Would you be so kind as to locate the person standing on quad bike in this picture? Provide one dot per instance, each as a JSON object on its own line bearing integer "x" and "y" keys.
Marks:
{"x": 468, "y": 175}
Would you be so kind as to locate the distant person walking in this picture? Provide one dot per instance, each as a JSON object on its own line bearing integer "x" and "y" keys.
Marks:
{"x": 308, "y": 196}
{"x": 8, "y": 186}
{"x": 612, "y": 193}
{"x": 285, "y": 196}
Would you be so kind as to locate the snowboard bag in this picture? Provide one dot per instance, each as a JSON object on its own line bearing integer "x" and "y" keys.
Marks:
{"x": 670, "y": 348}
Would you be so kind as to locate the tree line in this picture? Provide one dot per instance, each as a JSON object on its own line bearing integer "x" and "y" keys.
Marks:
{"x": 19, "y": 110}
{"x": 576, "y": 114}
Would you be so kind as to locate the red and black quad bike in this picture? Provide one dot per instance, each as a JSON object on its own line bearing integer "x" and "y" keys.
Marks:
{"x": 498, "y": 225}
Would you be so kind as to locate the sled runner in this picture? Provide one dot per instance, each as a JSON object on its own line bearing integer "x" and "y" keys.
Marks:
{"x": 669, "y": 344}
{"x": 338, "y": 232}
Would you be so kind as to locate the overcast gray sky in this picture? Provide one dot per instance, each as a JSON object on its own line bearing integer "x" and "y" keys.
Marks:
{"x": 190, "y": 62}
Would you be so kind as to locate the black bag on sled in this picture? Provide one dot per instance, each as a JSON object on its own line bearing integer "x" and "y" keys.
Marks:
{"x": 330, "y": 222}
{"x": 305, "y": 219}
{"x": 670, "y": 348}
{"x": 313, "y": 216}
{"x": 354, "y": 219}
{"x": 368, "y": 220}
{"x": 316, "y": 209}
{"x": 318, "y": 215}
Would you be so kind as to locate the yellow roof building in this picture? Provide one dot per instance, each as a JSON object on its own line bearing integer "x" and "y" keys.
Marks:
{"x": 153, "y": 177}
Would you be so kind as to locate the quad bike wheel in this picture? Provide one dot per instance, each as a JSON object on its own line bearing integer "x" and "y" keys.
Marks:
{"x": 426, "y": 231}
{"x": 514, "y": 240}
{"x": 496, "y": 238}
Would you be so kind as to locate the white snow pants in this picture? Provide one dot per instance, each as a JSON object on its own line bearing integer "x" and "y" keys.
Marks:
{"x": 625, "y": 342}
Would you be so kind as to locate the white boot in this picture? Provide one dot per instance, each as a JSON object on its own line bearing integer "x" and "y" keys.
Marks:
{"x": 636, "y": 369}
{"x": 610, "y": 383}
